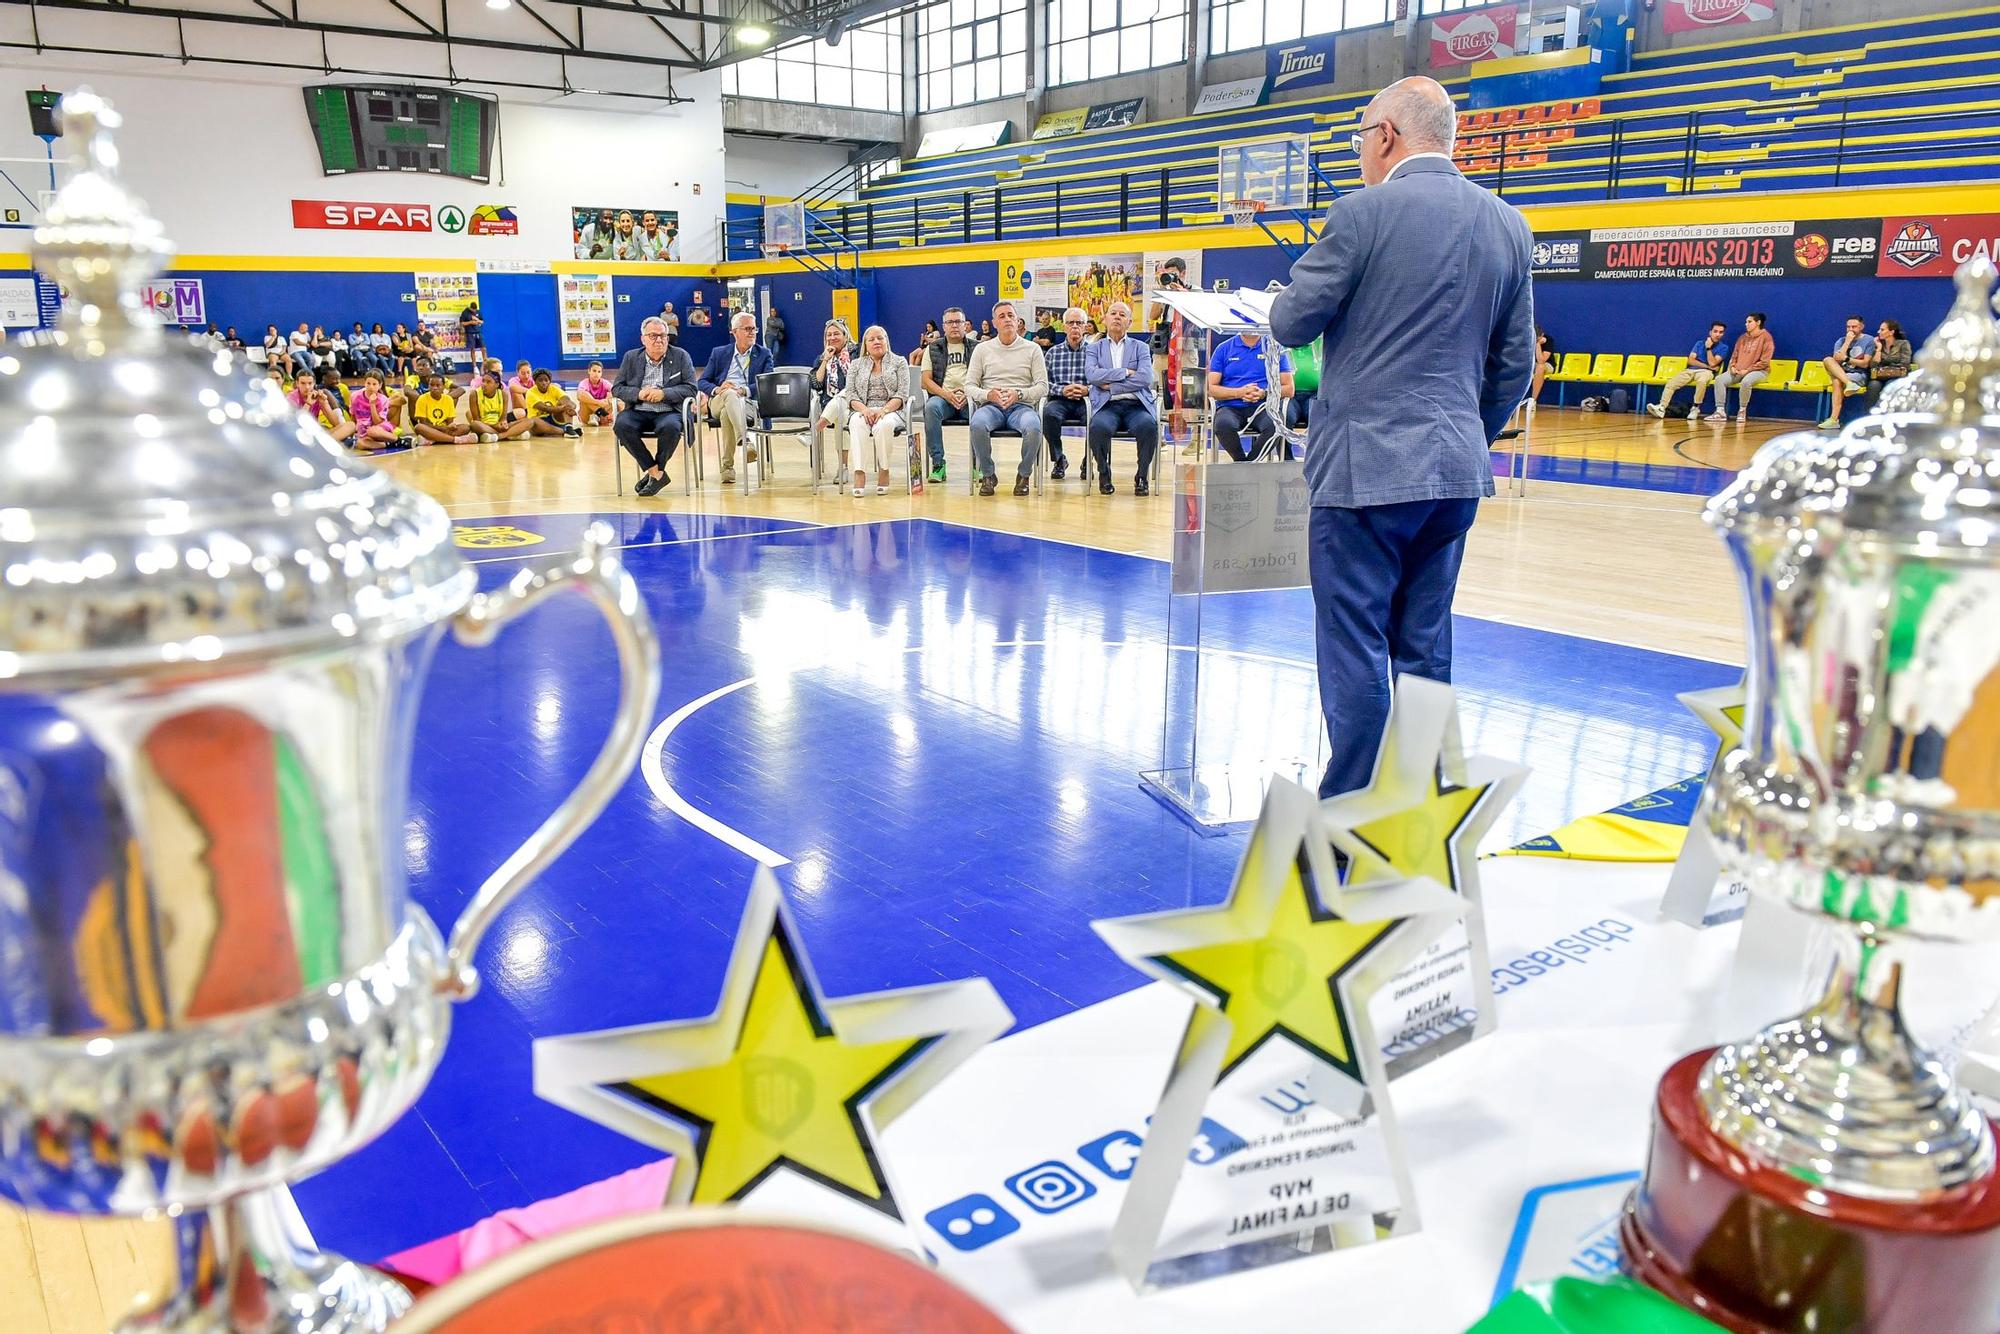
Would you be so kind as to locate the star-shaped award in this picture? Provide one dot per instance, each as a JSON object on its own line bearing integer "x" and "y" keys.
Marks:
{"x": 1696, "y": 893}
{"x": 778, "y": 1076}
{"x": 1273, "y": 962}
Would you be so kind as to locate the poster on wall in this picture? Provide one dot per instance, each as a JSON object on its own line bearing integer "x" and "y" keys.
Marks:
{"x": 1701, "y": 15}
{"x": 1480, "y": 34}
{"x": 176, "y": 300}
{"x": 441, "y": 297}
{"x": 1935, "y": 246}
{"x": 20, "y": 308}
{"x": 1825, "y": 248}
{"x": 586, "y": 316}
{"x": 1095, "y": 281}
{"x": 1157, "y": 260}
{"x": 652, "y": 234}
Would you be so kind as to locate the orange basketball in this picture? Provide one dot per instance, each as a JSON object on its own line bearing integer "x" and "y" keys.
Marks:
{"x": 701, "y": 1270}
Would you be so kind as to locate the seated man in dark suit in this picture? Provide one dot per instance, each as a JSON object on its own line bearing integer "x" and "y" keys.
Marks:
{"x": 654, "y": 380}
{"x": 729, "y": 386}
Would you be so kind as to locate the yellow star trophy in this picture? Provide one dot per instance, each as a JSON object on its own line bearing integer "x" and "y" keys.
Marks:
{"x": 778, "y": 1078}
{"x": 1280, "y": 1044}
{"x": 1697, "y": 893}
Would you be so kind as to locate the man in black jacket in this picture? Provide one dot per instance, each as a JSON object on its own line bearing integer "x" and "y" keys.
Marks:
{"x": 653, "y": 382}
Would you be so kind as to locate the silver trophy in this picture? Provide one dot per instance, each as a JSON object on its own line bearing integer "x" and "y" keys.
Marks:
{"x": 214, "y": 633}
{"x": 1830, "y": 1173}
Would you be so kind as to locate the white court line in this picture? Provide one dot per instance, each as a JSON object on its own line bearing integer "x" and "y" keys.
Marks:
{"x": 641, "y": 546}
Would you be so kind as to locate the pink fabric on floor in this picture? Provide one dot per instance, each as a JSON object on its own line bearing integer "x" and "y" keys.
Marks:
{"x": 636, "y": 1191}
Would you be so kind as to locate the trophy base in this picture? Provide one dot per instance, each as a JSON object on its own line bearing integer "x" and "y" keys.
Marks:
{"x": 1760, "y": 1251}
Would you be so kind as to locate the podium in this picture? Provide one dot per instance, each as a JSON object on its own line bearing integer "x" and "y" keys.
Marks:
{"x": 1235, "y": 714}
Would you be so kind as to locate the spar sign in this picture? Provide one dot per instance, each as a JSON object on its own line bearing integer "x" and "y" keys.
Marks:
{"x": 1698, "y": 15}
{"x": 342, "y": 215}
{"x": 1481, "y": 34}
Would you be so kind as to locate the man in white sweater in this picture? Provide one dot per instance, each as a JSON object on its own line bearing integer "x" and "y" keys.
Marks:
{"x": 1006, "y": 381}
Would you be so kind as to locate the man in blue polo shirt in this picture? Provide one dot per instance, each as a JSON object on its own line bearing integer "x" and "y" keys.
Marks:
{"x": 1237, "y": 384}
{"x": 1705, "y": 361}
{"x": 1847, "y": 366}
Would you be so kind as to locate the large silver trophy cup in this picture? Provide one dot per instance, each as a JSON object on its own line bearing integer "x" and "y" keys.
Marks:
{"x": 214, "y": 634}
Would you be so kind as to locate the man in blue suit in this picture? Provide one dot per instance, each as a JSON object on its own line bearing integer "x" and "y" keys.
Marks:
{"x": 729, "y": 387}
{"x": 1420, "y": 285}
{"x": 1119, "y": 371}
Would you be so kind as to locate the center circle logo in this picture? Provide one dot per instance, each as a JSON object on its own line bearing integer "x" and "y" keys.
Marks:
{"x": 451, "y": 218}
{"x": 1811, "y": 250}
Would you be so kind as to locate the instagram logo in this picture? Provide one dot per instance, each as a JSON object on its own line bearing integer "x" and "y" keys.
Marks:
{"x": 1050, "y": 1188}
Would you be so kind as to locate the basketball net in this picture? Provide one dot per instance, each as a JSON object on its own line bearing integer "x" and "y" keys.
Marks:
{"x": 1243, "y": 212}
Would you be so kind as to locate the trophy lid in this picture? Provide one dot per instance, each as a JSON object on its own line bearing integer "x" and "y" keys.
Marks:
{"x": 1924, "y": 472}
{"x": 160, "y": 512}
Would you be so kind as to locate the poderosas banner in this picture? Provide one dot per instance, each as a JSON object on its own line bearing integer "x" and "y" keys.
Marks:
{"x": 1831, "y": 248}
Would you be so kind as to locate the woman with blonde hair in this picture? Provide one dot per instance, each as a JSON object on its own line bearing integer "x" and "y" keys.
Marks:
{"x": 877, "y": 383}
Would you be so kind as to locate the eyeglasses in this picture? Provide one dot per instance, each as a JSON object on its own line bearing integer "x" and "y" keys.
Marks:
{"x": 1354, "y": 140}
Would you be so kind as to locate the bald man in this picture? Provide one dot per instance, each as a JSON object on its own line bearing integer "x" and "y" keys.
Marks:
{"x": 1419, "y": 285}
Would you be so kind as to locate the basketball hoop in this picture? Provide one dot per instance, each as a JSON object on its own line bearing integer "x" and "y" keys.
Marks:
{"x": 1243, "y": 212}
{"x": 776, "y": 249}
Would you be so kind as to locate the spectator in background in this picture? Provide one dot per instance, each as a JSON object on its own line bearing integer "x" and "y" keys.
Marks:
{"x": 1892, "y": 359}
{"x": 472, "y": 334}
{"x": 232, "y": 340}
{"x": 729, "y": 387}
{"x": 385, "y": 355}
{"x": 1007, "y": 380}
{"x": 654, "y": 380}
{"x": 1121, "y": 397}
{"x": 271, "y": 351}
{"x": 876, "y": 386}
{"x": 671, "y": 320}
{"x": 1238, "y": 384}
{"x": 360, "y": 352}
{"x": 298, "y": 347}
{"x": 1049, "y": 334}
{"x": 1847, "y": 365}
{"x": 1545, "y": 362}
{"x": 1173, "y": 276}
{"x": 426, "y": 344}
{"x": 985, "y": 330}
{"x": 946, "y": 358}
{"x": 404, "y": 347}
{"x": 1749, "y": 363}
{"x": 1705, "y": 359}
{"x": 774, "y": 335}
{"x": 593, "y": 397}
{"x": 343, "y": 355}
{"x": 829, "y": 381}
{"x": 1068, "y": 403}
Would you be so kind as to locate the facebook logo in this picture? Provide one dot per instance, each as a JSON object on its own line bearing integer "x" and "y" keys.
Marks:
{"x": 1114, "y": 1154}
{"x": 972, "y": 1222}
{"x": 1050, "y": 1188}
{"x": 1213, "y": 1142}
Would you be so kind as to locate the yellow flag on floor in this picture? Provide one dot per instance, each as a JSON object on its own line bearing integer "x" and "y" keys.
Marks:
{"x": 1648, "y": 829}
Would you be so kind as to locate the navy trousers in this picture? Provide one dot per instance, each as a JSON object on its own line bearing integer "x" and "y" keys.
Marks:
{"x": 1382, "y": 582}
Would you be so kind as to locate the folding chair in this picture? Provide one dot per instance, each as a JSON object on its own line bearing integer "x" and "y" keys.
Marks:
{"x": 689, "y": 456}
{"x": 784, "y": 407}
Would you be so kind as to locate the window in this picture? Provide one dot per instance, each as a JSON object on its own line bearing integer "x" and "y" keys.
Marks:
{"x": 972, "y": 51}
{"x": 1097, "y": 39}
{"x": 865, "y": 70}
{"x": 1245, "y": 25}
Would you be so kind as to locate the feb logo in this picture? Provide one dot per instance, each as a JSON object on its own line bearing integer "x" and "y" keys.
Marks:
{"x": 1719, "y": 11}
{"x": 1475, "y": 38}
{"x": 1915, "y": 245}
{"x": 1811, "y": 250}
{"x": 493, "y": 535}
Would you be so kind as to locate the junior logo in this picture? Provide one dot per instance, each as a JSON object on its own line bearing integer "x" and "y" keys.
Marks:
{"x": 1915, "y": 245}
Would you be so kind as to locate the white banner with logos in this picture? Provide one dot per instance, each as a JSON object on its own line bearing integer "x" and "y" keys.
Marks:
{"x": 19, "y": 307}
{"x": 1231, "y": 96}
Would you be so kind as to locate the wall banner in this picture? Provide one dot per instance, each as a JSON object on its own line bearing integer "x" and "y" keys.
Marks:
{"x": 1056, "y": 124}
{"x": 1115, "y": 115}
{"x": 587, "y": 329}
{"x": 441, "y": 297}
{"x": 176, "y": 300}
{"x": 1305, "y": 64}
{"x": 1474, "y": 35}
{"x": 1701, "y": 15}
{"x": 1231, "y": 96}
{"x": 20, "y": 308}
{"x": 1935, "y": 246}
{"x": 625, "y": 233}
{"x": 1827, "y": 248}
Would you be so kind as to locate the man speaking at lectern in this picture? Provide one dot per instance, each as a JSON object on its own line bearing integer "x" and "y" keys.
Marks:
{"x": 1420, "y": 285}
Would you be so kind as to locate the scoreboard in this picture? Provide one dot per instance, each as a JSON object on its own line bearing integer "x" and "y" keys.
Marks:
{"x": 364, "y": 127}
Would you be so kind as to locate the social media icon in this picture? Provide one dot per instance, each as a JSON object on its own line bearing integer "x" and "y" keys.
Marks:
{"x": 1213, "y": 1142}
{"x": 972, "y": 1222}
{"x": 1114, "y": 1154}
{"x": 1050, "y": 1188}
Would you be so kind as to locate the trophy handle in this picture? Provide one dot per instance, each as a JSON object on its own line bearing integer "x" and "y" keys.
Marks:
{"x": 596, "y": 572}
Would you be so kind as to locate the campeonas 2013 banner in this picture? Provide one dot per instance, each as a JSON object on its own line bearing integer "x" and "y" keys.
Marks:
{"x": 1481, "y": 34}
{"x": 1835, "y": 247}
{"x": 1698, "y": 15}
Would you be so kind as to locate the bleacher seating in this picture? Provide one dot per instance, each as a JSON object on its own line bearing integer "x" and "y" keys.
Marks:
{"x": 1786, "y": 110}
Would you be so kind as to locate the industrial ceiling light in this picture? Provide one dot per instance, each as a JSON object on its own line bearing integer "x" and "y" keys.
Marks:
{"x": 752, "y": 33}
{"x": 498, "y": 4}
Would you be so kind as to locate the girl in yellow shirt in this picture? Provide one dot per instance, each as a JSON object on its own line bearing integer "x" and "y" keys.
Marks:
{"x": 434, "y": 415}
{"x": 490, "y": 414}
{"x": 549, "y": 408}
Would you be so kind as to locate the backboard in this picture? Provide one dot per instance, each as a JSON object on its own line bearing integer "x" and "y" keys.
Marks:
{"x": 785, "y": 225}
{"x": 1276, "y": 171}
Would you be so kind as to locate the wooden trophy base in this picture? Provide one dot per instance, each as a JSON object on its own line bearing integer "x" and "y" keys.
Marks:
{"x": 1759, "y": 1251}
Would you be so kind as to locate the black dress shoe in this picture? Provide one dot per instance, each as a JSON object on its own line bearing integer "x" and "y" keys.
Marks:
{"x": 1104, "y": 487}
{"x": 650, "y": 485}
{"x": 1060, "y": 471}
{"x": 1139, "y": 487}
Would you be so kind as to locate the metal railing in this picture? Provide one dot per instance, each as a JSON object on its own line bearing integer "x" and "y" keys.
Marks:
{"x": 1784, "y": 144}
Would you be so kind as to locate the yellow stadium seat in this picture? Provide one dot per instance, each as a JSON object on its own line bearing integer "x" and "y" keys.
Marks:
{"x": 1640, "y": 369}
{"x": 1782, "y": 373}
{"x": 1607, "y": 366}
{"x": 1812, "y": 376}
{"x": 1575, "y": 366}
{"x": 1668, "y": 368}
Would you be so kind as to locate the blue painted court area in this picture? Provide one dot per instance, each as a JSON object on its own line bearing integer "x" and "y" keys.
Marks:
{"x": 937, "y": 729}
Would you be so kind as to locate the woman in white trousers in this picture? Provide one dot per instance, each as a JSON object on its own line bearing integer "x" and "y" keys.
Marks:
{"x": 876, "y": 385}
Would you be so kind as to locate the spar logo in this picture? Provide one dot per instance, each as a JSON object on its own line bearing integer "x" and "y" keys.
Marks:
{"x": 1915, "y": 245}
{"x": 1811, "y": 250}
{"x": 1475, "y": 38}
{"x": 1715, "y": 11}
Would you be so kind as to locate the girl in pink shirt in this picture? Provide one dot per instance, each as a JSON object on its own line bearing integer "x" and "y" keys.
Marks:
{"x": 523, "y": 381}
{"x": 593, "y": 396}
{"x": 374, "y": 415}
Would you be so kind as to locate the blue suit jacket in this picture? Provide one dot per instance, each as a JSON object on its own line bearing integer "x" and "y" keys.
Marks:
{"x": 1105, "y": 379}
{"x": 1421, "y": 288}
{"x": 717, "y": 369}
